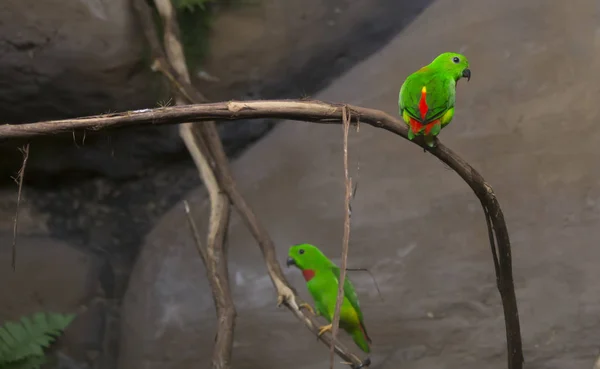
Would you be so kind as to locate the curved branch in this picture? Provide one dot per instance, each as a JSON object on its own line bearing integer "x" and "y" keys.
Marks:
{"x": 317, "y": 112}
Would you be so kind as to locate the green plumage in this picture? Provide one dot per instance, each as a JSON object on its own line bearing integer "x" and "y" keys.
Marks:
{"x": 322, "y": 277}
{"x": 427, "y": 97}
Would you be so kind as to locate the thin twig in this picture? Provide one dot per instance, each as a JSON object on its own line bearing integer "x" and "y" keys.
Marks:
{"x": 317, "y": 112}
{"x": 20, "y": 176}
{"x": 372, "y": 277}
{"x": 346, "y": 237}
{"x": 195, "y": 233}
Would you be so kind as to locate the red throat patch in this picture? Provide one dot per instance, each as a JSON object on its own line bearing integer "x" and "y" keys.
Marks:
{"x": 308, "y": 274}
{"x": 423, "y": 108}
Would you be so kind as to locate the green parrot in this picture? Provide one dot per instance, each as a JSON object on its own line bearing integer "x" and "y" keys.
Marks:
{"x": 322, "y": 277}
{"x": 427, "y": 96}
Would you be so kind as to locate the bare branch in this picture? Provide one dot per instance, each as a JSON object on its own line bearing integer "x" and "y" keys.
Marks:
{"x": 317, "y": 112}
{"x": 346, "y": 237}
{"x": 20, "y": 177}
{"x": 215, "y": 254}
{"x": 215, "y": 261}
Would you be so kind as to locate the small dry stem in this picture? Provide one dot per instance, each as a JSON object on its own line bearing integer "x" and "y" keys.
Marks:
{"x": 20, "y": 176}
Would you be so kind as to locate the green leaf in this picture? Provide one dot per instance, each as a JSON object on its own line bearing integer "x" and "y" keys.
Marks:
{"x": 20, "y": 341}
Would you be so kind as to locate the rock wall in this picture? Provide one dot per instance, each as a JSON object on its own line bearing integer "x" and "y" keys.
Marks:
{"x": 72, "y": 58}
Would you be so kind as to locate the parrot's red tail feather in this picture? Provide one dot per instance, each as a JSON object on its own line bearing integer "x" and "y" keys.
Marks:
{"x": 415, "y": 126}
{"x": 364, "y": 332}
{"x": 429, "y": 126}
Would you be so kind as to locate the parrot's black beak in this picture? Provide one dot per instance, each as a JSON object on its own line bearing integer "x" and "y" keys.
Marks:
{"x": 467, "y": 74}
{"x": 290, "y": 262}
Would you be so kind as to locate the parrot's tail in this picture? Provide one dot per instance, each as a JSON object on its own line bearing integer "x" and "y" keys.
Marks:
{"x": 364, "y": 331}
{"x": 416, "y": 127}
{"x": 361, "y": 338}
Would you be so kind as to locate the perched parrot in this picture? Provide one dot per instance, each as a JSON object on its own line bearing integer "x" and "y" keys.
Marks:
{"x": 427, "y": 96}
{"x": 322, "y": 277}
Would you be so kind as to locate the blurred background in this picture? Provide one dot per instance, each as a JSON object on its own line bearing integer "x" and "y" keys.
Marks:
{"x": 103, "y": 231}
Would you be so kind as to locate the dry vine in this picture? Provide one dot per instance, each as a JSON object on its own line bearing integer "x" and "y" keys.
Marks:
{"x": 19, "y": 180}
{"x": 317, "y": 112}
{"x": 346, "y": 237}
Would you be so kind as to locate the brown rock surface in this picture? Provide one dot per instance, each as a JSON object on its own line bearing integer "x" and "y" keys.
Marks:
{"x": 293, "y": 48}
{"x": 68, "y": 58}
{"x": 416, "y": 225}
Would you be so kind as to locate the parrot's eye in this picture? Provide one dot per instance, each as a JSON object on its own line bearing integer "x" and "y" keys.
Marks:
{"x": 301, "y": 251}
{"x": 456, "y": 59}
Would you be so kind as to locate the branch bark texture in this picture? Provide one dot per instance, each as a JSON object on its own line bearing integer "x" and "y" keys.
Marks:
{"x": 325, "y": 113}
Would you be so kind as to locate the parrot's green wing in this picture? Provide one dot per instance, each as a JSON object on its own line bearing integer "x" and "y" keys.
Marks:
{"x": 349, "y": 292}
{"x": 440, "y": 94}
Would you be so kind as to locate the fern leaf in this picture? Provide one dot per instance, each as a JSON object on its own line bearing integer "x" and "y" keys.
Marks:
{"x": 30, "y": 336}
{"x": 30, "y": 362}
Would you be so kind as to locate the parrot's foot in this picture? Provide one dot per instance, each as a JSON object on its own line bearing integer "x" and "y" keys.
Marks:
{"x": 285, "y": 295}
{"x": 307, "y": 307}
{"x": 324, "y": 329}
{"x": 280, "y": 300}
